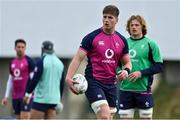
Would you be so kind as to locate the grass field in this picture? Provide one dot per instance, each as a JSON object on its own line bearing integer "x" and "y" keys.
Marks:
{"x": 167, "y": 101}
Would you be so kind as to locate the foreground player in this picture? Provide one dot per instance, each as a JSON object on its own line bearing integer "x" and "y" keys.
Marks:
{"x": 20, "y": 69}
{"x": 48, "y": 82}
{"x": 105, "y": 49}
{"x": 135, "y": 92}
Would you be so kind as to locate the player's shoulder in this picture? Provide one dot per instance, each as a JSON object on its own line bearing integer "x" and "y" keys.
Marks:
{"x": 40, "y": 59}
{"x": 150, "y": 41}
{"x": 28, "y": 57}
{"x": 59, "y": 61}
{"x": 97, "y": 31}
{"x": 93, "y": 33}
{"x": 120, "y": 35}
{"x": 12, "y": 61}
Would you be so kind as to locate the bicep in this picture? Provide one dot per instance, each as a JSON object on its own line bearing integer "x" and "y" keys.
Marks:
{"x": 80, "y": 55}
{"x": 76, "y": 61}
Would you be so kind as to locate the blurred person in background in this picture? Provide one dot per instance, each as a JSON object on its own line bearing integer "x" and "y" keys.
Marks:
{"x": 20, "y": 71}
{"x": 105, "y": 49}
{"x": 47, "y": 84}
{"x": 135, "y": 91}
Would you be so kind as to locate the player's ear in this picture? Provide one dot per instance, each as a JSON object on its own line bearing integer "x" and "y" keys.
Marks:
{"x": 14, "y": 47}
{"x": 117, "y": 19}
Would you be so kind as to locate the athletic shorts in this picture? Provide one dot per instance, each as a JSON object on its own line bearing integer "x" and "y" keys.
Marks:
{"x": 43, "y": 106}
{"x": 19, "y": 105}
{"x": 128, "y": 100}
{"x": 97, "y": 91}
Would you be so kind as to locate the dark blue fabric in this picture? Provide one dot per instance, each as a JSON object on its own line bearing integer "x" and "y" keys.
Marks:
{"x": 126, "y": 48}
{"x": 88, "y": 39}
{"x": 31, "y": 63}
{"x": 128, "y": 100}
{"x": 43, "y": 107}
{"x": 37, "y": 75}
{"x": 155, "y": 68}
{"x": 19, "y": 105}
{"x": 62, "y": 84}
{"x": 98, "y": 91}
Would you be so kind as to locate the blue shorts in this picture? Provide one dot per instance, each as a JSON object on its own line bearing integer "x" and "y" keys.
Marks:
{"x": 42, "y": 106}
{"x": 98, "y": 91}
{"x": 128, "y": 100}
{"x": 19, "y": 105}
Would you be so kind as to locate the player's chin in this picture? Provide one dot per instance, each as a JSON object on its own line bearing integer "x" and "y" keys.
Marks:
{"x": 107, "y": 27}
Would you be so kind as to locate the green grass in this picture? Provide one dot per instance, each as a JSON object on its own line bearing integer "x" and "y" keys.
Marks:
{"x": 167, "y": 101}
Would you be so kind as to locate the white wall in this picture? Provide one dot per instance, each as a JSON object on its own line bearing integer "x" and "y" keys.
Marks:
{"x": 65, "y": 22}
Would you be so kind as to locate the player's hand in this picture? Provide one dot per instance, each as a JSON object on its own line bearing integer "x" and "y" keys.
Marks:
{"x": 26, "y": 99}
{"x": 134, "y": 76}
{"x": 70, "y": 82}
{"x": 4, "y": 101}
{"x": 122, "y": 74}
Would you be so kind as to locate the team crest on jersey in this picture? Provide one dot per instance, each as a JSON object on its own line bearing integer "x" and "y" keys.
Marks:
{"x": 22, "y": 65}
{"x": 121, "y": 105}
{"x": 35, "y": 69}
{"x": 142, "y": 46}
{"x": 99, "y": 96}
{"x": 101, "y": 43}
{"x": 13, "y": 66}
{"x": 117, "y": 44}
{"x": 147, "y": 104}
{"x": 132, "y": 53}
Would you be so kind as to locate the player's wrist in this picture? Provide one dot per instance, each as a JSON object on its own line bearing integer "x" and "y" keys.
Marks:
{"x": 6, "y": 98}
{"x": 28, "y": 94}
{"x": 140, "y": 74}
{"x": 68, "y": 78}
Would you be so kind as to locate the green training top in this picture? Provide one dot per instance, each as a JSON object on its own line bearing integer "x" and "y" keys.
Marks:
{"x": 48, "y": 87}
{"x": 143, "y": 52}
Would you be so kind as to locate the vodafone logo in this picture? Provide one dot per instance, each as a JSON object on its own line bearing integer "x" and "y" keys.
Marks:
{"x": 109, "y": 53}
{"x": 16, "y": 72}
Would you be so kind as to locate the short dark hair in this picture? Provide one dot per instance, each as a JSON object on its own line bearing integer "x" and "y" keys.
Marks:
{"x": 20, "y": 40}
{"x": 111, "y": 9}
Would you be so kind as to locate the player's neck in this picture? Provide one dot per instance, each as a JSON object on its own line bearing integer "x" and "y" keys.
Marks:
{"x": 137, "y": 37}
{"x": 108, "y": 31}
{"x": 20, "y": 56}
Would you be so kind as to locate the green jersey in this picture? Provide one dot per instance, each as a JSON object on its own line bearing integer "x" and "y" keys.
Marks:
{"x": 143, "y": 53}
{"x": 48, "y": 87}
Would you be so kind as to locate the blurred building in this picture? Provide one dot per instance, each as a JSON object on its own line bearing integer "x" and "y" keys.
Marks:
{"x": 65, "y": 22}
